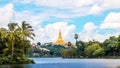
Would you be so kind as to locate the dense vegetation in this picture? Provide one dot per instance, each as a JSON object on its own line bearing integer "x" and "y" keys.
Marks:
{"x": 14, "y": 43}
{"x": 53, "y": 51}
{"x": 110, "y": 48}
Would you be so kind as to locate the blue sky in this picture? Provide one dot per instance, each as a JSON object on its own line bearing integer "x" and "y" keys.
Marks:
{"x": 91, "y": 19}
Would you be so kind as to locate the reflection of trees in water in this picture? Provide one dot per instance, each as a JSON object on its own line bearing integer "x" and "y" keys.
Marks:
{"x": 14, "y": 66}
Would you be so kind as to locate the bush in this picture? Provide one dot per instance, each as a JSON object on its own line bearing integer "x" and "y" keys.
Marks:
{"x": 18, "y": 60}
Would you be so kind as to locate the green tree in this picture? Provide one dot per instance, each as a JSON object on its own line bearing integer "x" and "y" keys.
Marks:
{"x": 111, "y": 46}
{"x": 26, "y": 31}
{"x": 80, "y": 48}
{"x": 11, "y": 45}
{"x": 12, "y": 33}
{"x": 94, "y": 50}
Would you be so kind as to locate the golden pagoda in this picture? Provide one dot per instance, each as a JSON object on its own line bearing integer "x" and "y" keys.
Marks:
{"x": 60, "y": 40}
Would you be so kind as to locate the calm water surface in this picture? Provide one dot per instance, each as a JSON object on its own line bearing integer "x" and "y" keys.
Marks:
{"x": 68, "y": 63}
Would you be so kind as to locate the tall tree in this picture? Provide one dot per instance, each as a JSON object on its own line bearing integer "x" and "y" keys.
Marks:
{"x": 80, "y": 48}
{"x": 26, "y": 31}
{"x": 12, "y": 33}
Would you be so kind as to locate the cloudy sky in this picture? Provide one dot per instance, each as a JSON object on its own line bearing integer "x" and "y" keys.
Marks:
{"x": 91, "y": 19}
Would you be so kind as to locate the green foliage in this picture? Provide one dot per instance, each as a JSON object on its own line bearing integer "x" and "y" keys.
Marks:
{"x": 13, "y": 43}
{"x": 80, "y": 48}
{"x": 111, "y": 46}
{"x": 94, "y": 50}
{"x": 99, "y": 52}
{"x": 18, "y": 60}
{"x": 91, "y": 49}
{"x": 65, "y": 53}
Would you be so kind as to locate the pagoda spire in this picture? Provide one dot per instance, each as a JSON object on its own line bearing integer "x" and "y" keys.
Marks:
{"x": 60, "y": 40}
{"x": 60, "y": 35}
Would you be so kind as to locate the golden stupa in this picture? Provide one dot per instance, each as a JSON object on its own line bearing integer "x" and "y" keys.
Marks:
{"x": 60, "y": 40}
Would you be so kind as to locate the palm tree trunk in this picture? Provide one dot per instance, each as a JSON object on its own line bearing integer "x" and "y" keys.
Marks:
{"x": 12, "y": 49}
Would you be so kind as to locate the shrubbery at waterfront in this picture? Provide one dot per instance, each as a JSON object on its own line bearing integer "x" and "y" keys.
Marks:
{"x": 19, "y": 60}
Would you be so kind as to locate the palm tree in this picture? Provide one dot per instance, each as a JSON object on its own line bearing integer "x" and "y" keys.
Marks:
{"x": 26, "y": 31}
{"x": 12, "y": 33}
{"x": 76, "y": 37}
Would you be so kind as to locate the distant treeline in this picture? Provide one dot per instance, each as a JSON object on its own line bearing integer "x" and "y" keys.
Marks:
{"x": 110, "y": 48}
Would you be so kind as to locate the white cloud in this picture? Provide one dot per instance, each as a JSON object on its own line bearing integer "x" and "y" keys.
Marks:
{"x": 63, "y": 4}
{"x": 73, "y": 8}
{"x": 101, "y": 37}
{"x": 111, "y": 21}
{"x": 108, "y": 4}
{"x": 90, "y": 26}
{"x": 65, "y": 8}
{"x": 89, "y": 36}
{"x": 88, "y": 32}
{"x": 30, "y": 18}
{"x": 49, "y": 33}
{"x": 6, "y": 14}
{"x": 91, "y": 31}
{"x": 60, "y": 8}
{"x": 68, "y": 13}
{"x": 96, "y": 9}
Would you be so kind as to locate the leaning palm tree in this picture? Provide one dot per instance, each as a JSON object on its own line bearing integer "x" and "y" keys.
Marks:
{"x": 26, "y": 31}
{"x": 12, "y": 33}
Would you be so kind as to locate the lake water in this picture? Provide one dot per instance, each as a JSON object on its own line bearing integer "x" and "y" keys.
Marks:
{"x": 68, "y": 63}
